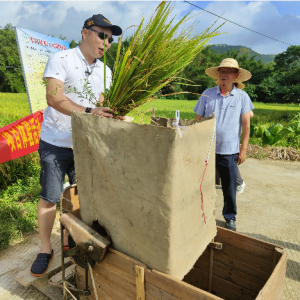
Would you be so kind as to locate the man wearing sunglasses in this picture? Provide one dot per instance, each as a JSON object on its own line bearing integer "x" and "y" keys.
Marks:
{"x": 65, "y": 73}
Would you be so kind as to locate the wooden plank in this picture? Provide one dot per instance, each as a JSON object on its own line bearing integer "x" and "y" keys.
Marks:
{"x": 85, "y": 237}
{"x": 176, "y": 287}
{"x": 151, "y": 297}
{"x": 69, "y": 273}
{"x": 211, "y": 263}
{"x": 118, "y": 263}
{"x": 24, "y": 276}
{"x": 122, "y": 261}
{"x": 232, "y": 288}
{"x": 115, "y": 282}
{"x": 235, "y": 276}
{"x": 244, "y": 261}
{"x": 50, "y": 291}
{"x": 246, "y": 243}
{"x": 241, "y": 260}
{"x": 118, "y": 272}
{"x": 105, "y": 292}
{"x": 224, "y": 294}
{"x": 274, "y": 286}
{"x": 140, "y": 283}
{"x": 158, "y": 293}
{"x": 199, "y": 278}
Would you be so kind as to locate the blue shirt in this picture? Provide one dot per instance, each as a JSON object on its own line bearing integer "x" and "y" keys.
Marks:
{"x": 228, "y": 116}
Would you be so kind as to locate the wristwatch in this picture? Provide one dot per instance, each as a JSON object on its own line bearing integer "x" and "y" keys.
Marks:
{"x": 88, "y": 110}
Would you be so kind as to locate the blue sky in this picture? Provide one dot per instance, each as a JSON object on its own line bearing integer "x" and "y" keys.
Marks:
{"x": 277, "y": 19}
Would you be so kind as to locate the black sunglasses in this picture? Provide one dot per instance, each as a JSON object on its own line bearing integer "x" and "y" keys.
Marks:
{"x": 103, "y": 36}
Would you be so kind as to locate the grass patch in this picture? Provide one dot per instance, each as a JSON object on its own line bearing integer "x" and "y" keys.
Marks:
{"x": 19, "y": 179}
{"x": 13, "y": 107}
{"x": 18, "y": 205}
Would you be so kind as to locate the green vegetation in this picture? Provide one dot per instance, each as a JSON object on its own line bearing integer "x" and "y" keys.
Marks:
{"x": 18, "y": 204}
{"x": 13, "y": 107}
{"x": 11, "y": 77}
{"x": 273, "y": 82}
{"x": 265, "y": 58}
{"x": 265, "y": 116}
{"x": 19, "y": 179}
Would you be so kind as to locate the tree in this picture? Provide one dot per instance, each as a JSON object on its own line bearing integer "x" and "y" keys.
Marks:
{"x": 11, "y": 77}
{"x": 288, "y": 60}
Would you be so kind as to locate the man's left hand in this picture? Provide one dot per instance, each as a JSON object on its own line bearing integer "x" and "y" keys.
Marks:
{"x": 242, "y": 157}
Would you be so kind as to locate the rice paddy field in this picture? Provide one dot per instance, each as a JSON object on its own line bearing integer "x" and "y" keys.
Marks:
{"x": 268, "y": 114}
{"x": 15, "y": 106}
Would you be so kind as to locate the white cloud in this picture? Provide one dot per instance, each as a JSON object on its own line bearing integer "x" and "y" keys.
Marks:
{"x": 67, "y": 18}
{"x": 262, "y": 17}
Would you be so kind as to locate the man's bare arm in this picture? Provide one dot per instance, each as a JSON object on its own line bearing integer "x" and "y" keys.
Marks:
{"x": 245, "y": 137}
{"x": 60, "y": 102}
{"x": 198, "y": 118}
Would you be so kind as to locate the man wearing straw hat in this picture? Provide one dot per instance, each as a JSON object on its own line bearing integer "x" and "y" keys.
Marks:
{"x": 232, "y": 107}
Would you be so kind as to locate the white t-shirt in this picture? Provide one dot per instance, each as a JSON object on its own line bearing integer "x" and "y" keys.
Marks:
{"x": 70, "y": 67}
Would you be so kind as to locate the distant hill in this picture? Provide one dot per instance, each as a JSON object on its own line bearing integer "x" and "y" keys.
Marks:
{"x": 219, "y": 48}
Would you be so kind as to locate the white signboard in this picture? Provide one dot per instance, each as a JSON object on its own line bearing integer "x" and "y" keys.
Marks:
{"x": 34, "y": 50}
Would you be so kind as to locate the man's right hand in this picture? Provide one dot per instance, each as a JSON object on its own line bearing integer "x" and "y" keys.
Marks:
{"x": 105, "y": 112}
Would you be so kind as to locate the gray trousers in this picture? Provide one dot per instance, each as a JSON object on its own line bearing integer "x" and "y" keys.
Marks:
{"x": 239, "y": 180}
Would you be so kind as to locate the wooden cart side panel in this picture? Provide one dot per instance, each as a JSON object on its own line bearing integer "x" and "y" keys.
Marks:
{"x": 231, "y": 274}
{"x": 158, "y": 293}
{"x": 179, "y": 289}
{"x": 119, "y": 278}
{"x": 123, "y": 262}
{"x": 220, "y": 286}
{"x": 104, "y": 290}
{"x": 241, "y": 241}
{"x": 274, "y": 286}
{"x": 244, "y": 261}
{"x": 111, "y": 280}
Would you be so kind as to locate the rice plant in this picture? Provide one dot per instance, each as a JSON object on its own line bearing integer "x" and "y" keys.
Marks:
{"x": 156, "y": 54}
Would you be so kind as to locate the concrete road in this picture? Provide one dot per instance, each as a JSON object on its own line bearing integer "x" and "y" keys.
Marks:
{"x": 269, "y": 209}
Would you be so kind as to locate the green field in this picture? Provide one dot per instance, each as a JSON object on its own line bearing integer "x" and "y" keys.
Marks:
{"x": 268, "y": 114}
{"x": 15, "y": 106}
{"x": 19, "y": 179}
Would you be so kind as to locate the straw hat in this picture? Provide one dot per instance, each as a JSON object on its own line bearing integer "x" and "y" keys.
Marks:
{"x": 244, "y": 75}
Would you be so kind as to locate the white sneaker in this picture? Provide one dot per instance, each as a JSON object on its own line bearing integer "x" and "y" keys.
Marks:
{"x": 240, "y": 188}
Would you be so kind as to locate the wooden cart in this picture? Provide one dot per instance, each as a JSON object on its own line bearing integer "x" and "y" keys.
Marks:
{"x": 234, "y": 266}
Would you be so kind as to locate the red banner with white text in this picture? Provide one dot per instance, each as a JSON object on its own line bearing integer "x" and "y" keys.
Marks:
{"x": 21, "y": 137}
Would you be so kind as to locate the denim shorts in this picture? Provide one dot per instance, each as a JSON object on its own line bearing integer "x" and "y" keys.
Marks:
{"x": 55, "y": 163}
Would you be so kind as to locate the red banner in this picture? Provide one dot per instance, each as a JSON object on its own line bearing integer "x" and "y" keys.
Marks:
{"x": 21, "y": 137}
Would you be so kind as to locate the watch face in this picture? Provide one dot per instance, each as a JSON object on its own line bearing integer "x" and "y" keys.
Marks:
{"x": 88, "y": 109}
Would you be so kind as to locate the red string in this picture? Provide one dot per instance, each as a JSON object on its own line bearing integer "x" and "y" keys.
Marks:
{"x": 206, "y": 162}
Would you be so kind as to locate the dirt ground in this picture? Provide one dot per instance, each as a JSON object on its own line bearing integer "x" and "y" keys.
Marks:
{"x": 268, "y": 209}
